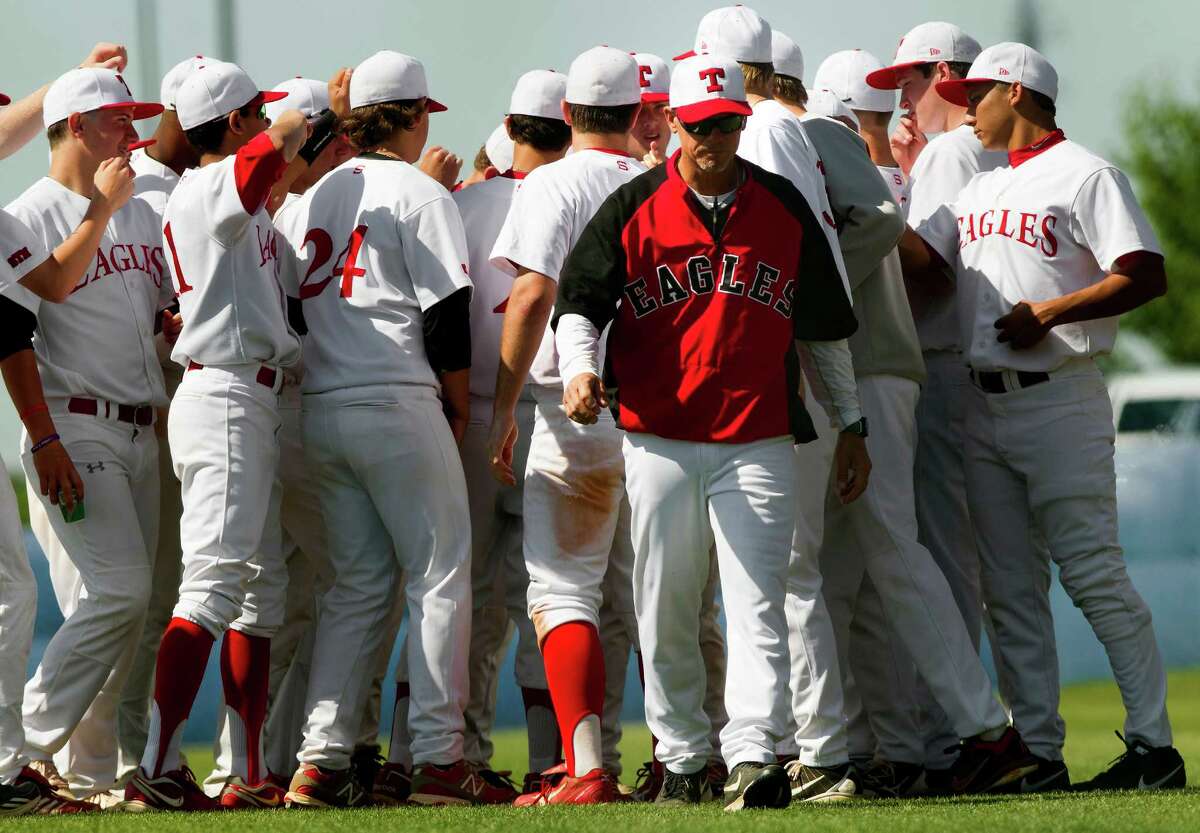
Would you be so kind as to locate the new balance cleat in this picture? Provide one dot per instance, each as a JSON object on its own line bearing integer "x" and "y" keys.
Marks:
{"x": 752, "y": 785}
{"x": 393, "y": 785}
{"x": 1141, "y": 767}
{"x": 176, "y": 790}
{"x": 459, "y": 783}
{"x": 314, "y": 786}
{"x": 596, "y": 787}
{"x": 238, "y": 795}
{"x": 987, "y": 766}
{"x": 818, "y": 783}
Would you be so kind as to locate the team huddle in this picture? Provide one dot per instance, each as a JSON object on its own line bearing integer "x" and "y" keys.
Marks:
{"x": 288, "y": 382}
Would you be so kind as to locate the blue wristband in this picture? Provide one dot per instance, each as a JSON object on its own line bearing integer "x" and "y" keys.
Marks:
{"x": 43, "y": 442}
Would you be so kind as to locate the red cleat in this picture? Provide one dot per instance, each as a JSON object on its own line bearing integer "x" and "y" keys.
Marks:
{"x": 176, "y": 790}
{"x": 596, "y": 787}
{"x": 237, "y": 795}
{"x": 459, "y": 783}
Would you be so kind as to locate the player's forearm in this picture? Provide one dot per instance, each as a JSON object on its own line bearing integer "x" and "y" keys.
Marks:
{"x": 55, "y": 278}
{"x": 24, "y": 384}
{"x": 835, "y": 366}
{"x": 578, "y": 343}
{"x": 923, "y": 267}
{"x": 20, "y": 122}
{"x": 525, "y": 320}
{"x": 1117, "y": 294}
{"x": 456, "y": 394}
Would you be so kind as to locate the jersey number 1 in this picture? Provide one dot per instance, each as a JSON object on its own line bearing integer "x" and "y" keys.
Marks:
{"x": 346, "y": 265}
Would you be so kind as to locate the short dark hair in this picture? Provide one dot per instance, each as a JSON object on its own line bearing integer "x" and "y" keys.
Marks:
{"x": 586, "y": 118}
{"x": 759, "y": 76}
{"x": 958, "y": 69}
{"x": 539, "y": 132}
{"x": 790, "y": 89}
{"x": 1043, "y": 101}
{"x": 371, "y": 125}
{"x": 56, "y": 133}
{"x": 207, "y": 137}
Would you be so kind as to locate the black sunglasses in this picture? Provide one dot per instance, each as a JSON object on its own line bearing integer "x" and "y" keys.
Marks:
{"x": 731, "y": 123}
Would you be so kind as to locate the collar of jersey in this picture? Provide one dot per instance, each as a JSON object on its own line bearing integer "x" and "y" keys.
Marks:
{"x": 613, "y": 151}
{"x": 373, "y": 155}
{"x": 1022, "y": 155}
{"x": 511, "y": 174}
{"x": 676, "y": 178}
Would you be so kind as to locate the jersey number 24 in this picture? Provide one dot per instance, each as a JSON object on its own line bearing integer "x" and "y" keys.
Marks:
{"x": 344, "y": 266}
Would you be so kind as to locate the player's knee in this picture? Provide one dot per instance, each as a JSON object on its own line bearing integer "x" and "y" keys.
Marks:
{"x": 127, "y": 602}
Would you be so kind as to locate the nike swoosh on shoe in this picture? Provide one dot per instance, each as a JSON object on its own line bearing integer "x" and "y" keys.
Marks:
{"x": 151, "y": 792}
{"x": 1142, "y": 785}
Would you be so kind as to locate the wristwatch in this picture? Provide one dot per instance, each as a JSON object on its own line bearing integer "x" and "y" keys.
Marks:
{"x": 859, "y": 428}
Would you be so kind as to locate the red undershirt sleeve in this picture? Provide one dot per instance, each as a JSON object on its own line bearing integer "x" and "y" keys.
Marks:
{"x": 257, "y": 167}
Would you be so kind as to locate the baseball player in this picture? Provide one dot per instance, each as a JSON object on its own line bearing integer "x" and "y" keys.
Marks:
{"x": 388, "y": 336}
{"x": 1046, "y": 253}
{"x": 223, "y": 256}
{"x": 713, "y": 463}
{"x": 576, "y": 514}
{"x": 650, "y": 135}
{"x": 102, "y": 405}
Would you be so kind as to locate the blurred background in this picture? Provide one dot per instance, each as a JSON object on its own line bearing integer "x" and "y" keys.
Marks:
{"x": 1127, "y": 90}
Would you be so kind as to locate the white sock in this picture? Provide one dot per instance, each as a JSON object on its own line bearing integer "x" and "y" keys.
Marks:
{"x": 587, "y": 746}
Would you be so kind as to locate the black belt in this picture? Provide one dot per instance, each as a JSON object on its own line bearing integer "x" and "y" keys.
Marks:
{"x": 133, "y": 414}
{"x": 992, "y": 381}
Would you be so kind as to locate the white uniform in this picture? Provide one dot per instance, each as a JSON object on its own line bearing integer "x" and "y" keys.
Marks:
{"x": 20, "y": 253}
{"x": 1039, "y": 454}
{"x": 896, "y": 182}
{"x": 102, "y": 402}
{"x": 380, "y": 244}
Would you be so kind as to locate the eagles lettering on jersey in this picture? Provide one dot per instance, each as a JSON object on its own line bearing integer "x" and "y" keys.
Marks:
{"x": 1031, "y": 228}
{"x": 697, "y": 278}
{"x": 123, "y": 258}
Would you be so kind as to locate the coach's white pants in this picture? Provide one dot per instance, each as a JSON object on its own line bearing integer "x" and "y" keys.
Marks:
{"x": 393, "y": 497}
{"x": 101, "y": 568}
{"x": 1042, "y": 457}
{"x": 686, "y": 497}
{"x": 18, "y": 611}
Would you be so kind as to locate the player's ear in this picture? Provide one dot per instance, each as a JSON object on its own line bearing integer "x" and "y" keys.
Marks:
{"x": 75, "y": 124}
{"x": 234, "y": 121}
{"x": 508, "y": 126}
{"x": 566, "y": 111}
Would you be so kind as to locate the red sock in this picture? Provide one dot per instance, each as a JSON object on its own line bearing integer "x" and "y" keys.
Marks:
{"x": 245, "y": 671}
{"x": 575, "y": 675}
{"x": 178, "y": 672}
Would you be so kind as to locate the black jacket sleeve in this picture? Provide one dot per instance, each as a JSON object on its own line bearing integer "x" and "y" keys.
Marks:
{"x": 447, "y": 330}
{"x": 16, "y": 327}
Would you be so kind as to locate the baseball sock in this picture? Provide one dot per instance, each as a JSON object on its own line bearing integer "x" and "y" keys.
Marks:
{"x": 400, "y": 746}
{"x": 178, "y": 672}
{"x": 575, "y": 673}
{"x": 545, "y": 744}
{"x": 245, "y": 671}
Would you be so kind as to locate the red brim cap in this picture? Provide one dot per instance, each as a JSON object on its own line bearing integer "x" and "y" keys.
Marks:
{"x": 684, "y": 55}
{"x": 266, "y": 97}
{"x": 4, "y": 100}
{"x": 434, "y": 106}
{"x": 955, "y": 91}
{"x": 141, "y": 109}
{"x": 885, "y": 79}
{"x": 138, "y": 145}
{"x": 701, "y": 110}
{"x": 654, "y": 98}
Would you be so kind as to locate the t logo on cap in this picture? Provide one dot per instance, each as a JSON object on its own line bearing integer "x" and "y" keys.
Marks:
{"x": 712, "y": 74}
{"x": 644, "y": 75}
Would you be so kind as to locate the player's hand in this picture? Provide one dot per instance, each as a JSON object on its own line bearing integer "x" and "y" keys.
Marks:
{"x": 107, "y": 56}
{"x": 501, "y": 440}
{"x": 339, "y": 92}
{"x": 442, "y": 165}
{"x": 1025, "y": 325}
{"x": 289, "y": 132}
{"x": 654, "y": 157}
{"x": 172, "y": 326}
{"x": 57, "y": 477}
{"x": 584, "y": 397}
{"x": 852, "y": 465}
{"x": 112, "y": 186}
{"x": 907, "y": 142}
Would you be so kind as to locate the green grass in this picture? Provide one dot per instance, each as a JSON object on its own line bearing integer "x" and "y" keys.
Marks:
{"x": 1092, "y": 711}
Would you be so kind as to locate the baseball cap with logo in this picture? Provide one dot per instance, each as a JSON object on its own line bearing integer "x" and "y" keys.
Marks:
{"x": 929, "y": 43}
{"x": 499, "y": 148}
{"x": 603, "y": 77}
{"x": 176, "y": 76}
{"x": 654, "y": 76}
{"x": 390, "y": 76}
{"x": 786, "y": 56}
{"x": 845, "y": 75}
{"x": 1009, "y": 63}
{"x": 540, "y": 93}
{"x": 307, "y": 95}
{"x": 215, "y": 89}
{"x": 734, "y": 31}
{"x": 704, "y": 86}
{"x": 88, "y": 89}
{"x": 823, "y": 102}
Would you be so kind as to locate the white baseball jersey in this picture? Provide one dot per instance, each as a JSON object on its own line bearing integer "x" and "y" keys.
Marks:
{"x": 549, "y": 211}
{"x": 1053, "y": 224}
{"x": 20, "y": 250}
{"x": 894, "y": 178}
{"x": 484, "y": 208}
{"x": 224, "y": 259}
{"x": 943, "y": 169}
{"x": 153, "y": 181}
{"x": 378, "y": 243}
{"x": 99, "y": 343}
{"x": 774, "y": 140}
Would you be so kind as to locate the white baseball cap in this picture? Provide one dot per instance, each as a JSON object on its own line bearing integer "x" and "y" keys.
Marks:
{"x": 603, "y": 77}
{"x": 92, "y": 88}
{"x": 175, "y": 76}
{"x": 929, "y": 43}
{"x": 390, "y": 76}
{"x": 823, "y": 102}
{"x": 216, "y": 89}
{"x": 499, "y": 148}
{"x": 654, "y": 77}
{"x": 540, "y": 93}
{"x": 307, "y": 95}
{"x": 1010, "y": 63}
{"x": 704, "y": 86}
{"x": 845, "y": 75}
{"x": 786, "y": 55}
{"x": 735, "y": 31}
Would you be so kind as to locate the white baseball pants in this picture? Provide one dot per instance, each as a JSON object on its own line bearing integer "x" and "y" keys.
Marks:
{"x": 685, "y": 498}
{"x": 1042, "y": 458}
{"x": 18, "y": 611}
{"x": 393, "y": 497}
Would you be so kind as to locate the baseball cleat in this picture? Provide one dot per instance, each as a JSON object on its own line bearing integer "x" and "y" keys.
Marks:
{"x": 53, "y": 777}
{"x": 717, "y": 774}
{"x": 1141, "y": 767}
{"x": 238, "y": 795}
{"x": 535, "y": 782}
{"x": 393, "y": 785}
{"x": 30, "y": 794}
{"x": 684, "y": 790}
{"x": 459, "y": 783}
{"x": 314, "y": 786}
{"x": 892, "y": 779}
{"x": 821, "y": 783}
{"x": 596, "y": 787}
{"x": 1049, "y": 776}
{"x": 365, "y": 763}
{"x": 649, "y": 781}
{"x": 105, "y": 799}
{"x": 986, "y": 766}
{"x": 175, "y": 790}
{"x": 752, "y": 785}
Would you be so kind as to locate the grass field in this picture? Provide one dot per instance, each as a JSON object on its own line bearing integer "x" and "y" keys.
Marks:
{"x": 1091, "y": 710}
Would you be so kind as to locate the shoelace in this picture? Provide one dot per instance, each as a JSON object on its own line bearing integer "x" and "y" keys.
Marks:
{"x": 675, "y": 786}
{"x": 497, "y": 778}
{"x": 644, "y": 774}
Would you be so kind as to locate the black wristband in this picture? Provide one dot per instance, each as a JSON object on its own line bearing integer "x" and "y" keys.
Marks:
{"x": 322, "y": 134}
